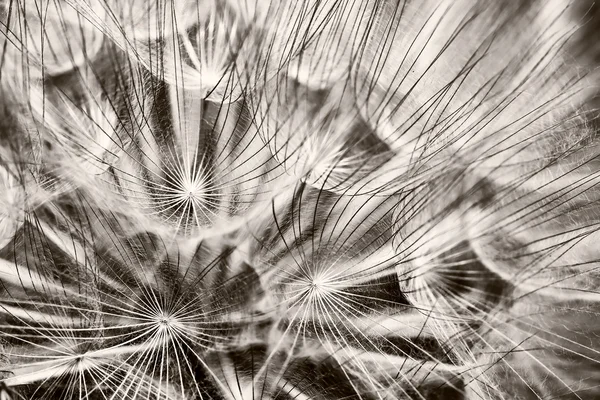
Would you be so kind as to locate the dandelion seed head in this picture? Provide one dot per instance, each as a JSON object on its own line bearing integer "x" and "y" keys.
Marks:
{"x": 296, "y": 199}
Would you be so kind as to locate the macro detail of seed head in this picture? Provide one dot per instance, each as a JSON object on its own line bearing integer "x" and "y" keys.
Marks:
{"x": 299, "y": 199}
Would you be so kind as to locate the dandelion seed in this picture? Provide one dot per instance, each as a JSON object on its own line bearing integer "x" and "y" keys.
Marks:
{"x": 48, "y": 38}
{"x": 297, "y": 199}
{"x": 12, "y": 206}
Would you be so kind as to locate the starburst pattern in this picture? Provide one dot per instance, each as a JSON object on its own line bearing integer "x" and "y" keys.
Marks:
{"x": 297, "y": 199}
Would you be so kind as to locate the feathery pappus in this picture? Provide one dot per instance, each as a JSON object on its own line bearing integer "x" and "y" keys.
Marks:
{"x": 299, "y": 199}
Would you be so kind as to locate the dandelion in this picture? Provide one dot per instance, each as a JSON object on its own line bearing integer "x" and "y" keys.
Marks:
{"x": 46, "y": 38}
{"x": 280, "y": 199}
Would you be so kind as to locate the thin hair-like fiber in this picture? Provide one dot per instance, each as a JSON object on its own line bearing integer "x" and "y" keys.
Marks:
{"x": 299, "y": 199}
